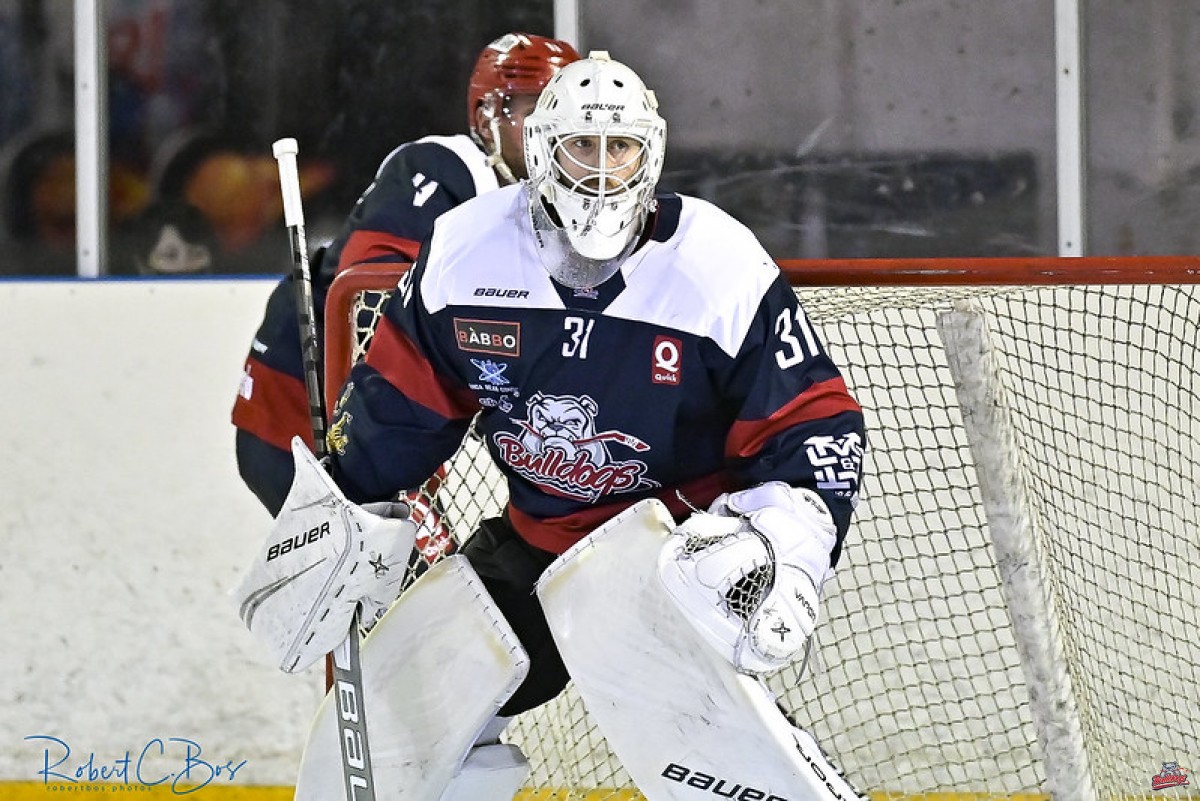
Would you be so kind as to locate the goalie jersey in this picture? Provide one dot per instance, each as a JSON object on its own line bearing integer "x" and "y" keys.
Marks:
{"x": 692, "y": 371}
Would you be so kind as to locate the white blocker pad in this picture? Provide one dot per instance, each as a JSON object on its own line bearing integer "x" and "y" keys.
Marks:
{"x": 682, "y": 721}
{"x": 435, "y": 669}
{"x": 322, "y": 556}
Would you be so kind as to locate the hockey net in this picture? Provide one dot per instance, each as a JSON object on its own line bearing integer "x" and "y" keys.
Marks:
{"x": 1015, "y": 610}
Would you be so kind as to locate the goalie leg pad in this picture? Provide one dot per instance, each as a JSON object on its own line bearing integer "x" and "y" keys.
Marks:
{"x": 675, "y": 712}
{"x": 489, "y": 773}
{"x": 435, "y": 670}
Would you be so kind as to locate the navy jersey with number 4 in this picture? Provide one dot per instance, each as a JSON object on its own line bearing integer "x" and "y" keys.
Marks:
{"x": 416, "y": 183}
{"x": 692, "y": 370}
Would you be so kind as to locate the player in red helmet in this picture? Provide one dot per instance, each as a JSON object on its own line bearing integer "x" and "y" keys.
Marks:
{"x": 508, "y": 77}
{"x": 414, "y": 185}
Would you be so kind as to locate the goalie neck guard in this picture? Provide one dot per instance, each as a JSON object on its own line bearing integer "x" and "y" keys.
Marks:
{"x": 594, "y": 148}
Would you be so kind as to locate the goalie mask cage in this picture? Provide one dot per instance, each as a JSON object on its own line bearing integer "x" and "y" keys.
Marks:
{"x": 1016, "y": 609}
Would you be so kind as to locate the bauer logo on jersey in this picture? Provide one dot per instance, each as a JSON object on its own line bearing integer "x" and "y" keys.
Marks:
{"x": 561, "y": 449}
{"x": 498, "y": 292}
{"x": 497, "y": 337}
{"x": 668, "y": 353}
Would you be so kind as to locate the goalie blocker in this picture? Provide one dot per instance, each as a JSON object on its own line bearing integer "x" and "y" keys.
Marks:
{"x": 323, "y": 558}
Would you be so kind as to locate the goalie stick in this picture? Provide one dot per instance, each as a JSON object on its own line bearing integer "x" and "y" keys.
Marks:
{"x": 344, "y": 671}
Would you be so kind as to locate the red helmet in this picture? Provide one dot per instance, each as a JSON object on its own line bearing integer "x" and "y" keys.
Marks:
{"x": 515, "y": 64}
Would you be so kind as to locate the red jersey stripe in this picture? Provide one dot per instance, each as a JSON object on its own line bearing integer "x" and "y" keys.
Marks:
{"x": 393, "y": 354}
{"x": 557, "y": 534}
{"x": 277, "y": 408}
{"x": 825, "y": 399}
{"x": 365, "y": 246}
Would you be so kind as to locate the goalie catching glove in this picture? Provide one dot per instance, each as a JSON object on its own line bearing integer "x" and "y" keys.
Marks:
{"x": 323, "y": 557}
{"x": 748, "y": 573}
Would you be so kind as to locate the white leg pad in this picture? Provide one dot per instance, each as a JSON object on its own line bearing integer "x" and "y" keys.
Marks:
{"x": 489, "y": 773}
{"x": 436, "y": 669}
{"x": 682, "y": 721}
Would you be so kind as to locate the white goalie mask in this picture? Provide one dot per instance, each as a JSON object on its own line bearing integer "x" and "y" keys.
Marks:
{"x": 594, "y": 150}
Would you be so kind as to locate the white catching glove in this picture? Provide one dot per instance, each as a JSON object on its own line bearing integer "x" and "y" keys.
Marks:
{"x": 748, "y": 573}
{"x": 323, "y": 557}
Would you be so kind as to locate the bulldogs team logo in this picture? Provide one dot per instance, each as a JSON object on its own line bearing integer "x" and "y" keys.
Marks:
{"x": 1171, "y": 775}
{"x": 560, "y": 449}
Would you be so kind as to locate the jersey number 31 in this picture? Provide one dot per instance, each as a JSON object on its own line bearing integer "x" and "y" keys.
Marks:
{"x": 794, "y": 351}
{"x": 579, "y": 332}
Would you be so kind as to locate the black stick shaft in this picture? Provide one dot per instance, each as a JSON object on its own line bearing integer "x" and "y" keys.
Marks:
{"x": 345, "y": 666}
{"x": 293, "y": 213}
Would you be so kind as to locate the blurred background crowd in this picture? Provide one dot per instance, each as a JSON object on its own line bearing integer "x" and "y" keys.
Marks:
{"x": 834, "y": 128}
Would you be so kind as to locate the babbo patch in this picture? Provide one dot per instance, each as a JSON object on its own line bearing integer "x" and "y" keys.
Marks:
{"x": 497, "y": 337}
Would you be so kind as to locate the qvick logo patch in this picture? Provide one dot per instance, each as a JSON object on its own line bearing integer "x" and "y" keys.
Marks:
{"x": 665, "y": 366}
{"x": 497, "y": 337}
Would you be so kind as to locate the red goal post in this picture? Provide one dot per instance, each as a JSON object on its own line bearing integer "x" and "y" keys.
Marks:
{"x": 1005, "y": 620}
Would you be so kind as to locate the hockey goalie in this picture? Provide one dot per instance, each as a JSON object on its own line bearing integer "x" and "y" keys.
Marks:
{"x": 628, "y": 358}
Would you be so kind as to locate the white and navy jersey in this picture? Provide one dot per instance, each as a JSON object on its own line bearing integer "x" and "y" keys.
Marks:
{"x": 693, "y": 369}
